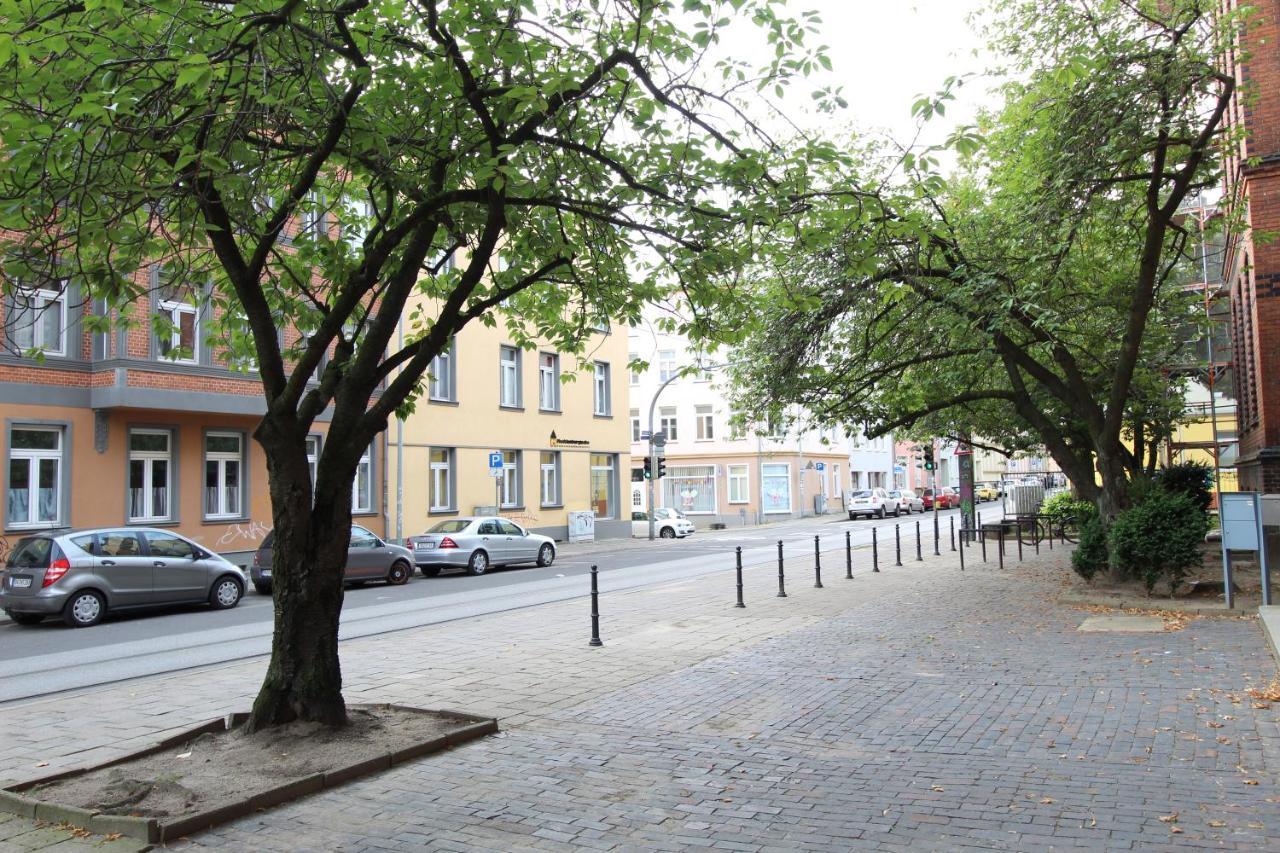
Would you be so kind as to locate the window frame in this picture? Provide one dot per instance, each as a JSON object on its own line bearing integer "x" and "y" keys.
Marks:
{"x": 704, "y": 423}
{"x": 222, "y": 457}
{"x": 174, "y": 310}
{"x": 671, "y": 419}
{"x": 601, "y": 390}
{"x": 611, "y": 498}
{"x": 785, "y": 466}
{"x": 449, "y": 376}
{"x": 62, "y": 473}
{"x": 512, "y": 482}
{"x": 549, "y": 382}
{"x": 636, "y": 430}
{"x": 40, "y": 297}
{"x": 147, "y": 457}
{"x": 743, "y": 480}
{"x": 449, "y": 467}
{"x": 366, "y": 461}
{"x": 667, "y": 365}
{"x": 554, "y": 469}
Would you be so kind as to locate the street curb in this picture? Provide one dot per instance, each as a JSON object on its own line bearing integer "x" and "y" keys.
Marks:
{"x": 1124, "y": 602}
{"x": 14, "y": 799}
{"x": 1269, "y": 619}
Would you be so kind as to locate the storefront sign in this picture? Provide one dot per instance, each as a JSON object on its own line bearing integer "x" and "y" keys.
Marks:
{"x": 568, "y": 442}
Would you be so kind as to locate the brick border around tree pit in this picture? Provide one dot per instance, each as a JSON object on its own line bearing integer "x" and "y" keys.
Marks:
{"x": 156, "y": 830}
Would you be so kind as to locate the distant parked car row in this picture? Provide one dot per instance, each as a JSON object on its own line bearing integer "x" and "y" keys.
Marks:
{"x": 85, "y": 574}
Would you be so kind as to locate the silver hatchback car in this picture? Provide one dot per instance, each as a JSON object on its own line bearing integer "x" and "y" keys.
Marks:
{"x": 83, "y": 574}
{"x": 475, "y": 543}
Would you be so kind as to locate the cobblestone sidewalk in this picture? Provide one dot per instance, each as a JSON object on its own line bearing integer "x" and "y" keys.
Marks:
{"x": 919, "y": 708}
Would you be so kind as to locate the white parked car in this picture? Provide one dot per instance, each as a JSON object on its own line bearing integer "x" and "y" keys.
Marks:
{"x": 873, "y": 503}
{"x": 667, "y": 523}
{"x": 908, "y": 501}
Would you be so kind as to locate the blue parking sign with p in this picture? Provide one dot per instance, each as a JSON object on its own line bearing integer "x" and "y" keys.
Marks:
{"x": 495, "y": 459}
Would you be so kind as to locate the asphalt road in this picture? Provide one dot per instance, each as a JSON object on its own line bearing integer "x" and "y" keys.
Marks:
{"x": 51, "y": 657}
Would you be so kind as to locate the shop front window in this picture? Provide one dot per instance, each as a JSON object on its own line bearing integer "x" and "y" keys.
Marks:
{"x": 604, "y": 482}
{"x": 775, "y": 485}
{"x": 690, "y": 489}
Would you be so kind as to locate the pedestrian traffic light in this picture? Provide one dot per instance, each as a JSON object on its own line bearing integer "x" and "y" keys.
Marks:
{"x": 648, "y": 468}
{"x": 661, "y": 468}
{"x": 928, "y": 458}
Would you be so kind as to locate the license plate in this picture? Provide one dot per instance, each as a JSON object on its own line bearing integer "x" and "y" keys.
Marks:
{"x": 20, "y": 583}
{"x": 424, "y": 546}
{"x": 266, "y": 573}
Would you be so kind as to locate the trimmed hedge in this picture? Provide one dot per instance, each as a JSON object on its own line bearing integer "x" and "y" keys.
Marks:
{"x": 1158, "y": 538}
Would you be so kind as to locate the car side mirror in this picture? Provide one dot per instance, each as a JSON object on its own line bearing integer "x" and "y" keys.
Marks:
{"x": 524, "y": 533}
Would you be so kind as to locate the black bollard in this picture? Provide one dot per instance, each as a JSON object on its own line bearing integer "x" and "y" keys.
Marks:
{"x": 1019, "y": 541}
{"x": 595, "y": 610}
{"x": 919, "y": 552}
{"x": 936, "y": 536}
{"x": 1036, "y": 533}
{"x": 982, "y": 534}
{"x": 738, "y": 560}
{"x": 782, "y": 583}
{"x": 952, "y": 523}
{"x": 848, "y": 556}
{"x": 962, "y": 535}
{"x": 817, "y": 564}
{"x": 875, "y": 552}
{"x": 1000, "y": 545}
{"x": 897, "y": 546}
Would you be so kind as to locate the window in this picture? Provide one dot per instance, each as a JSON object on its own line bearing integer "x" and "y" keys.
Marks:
{"x": 600, "y": 385}
{"x": 668, "y": 423}
{"x": 39, "y": 321}
{"x": 637, "y": 499}
{"x": 666, "y": 364}
{"x": 509, "y": 377}
{"x": 170, "y": 545}
{"x": 179, "y": 342}
{"x": 634, "y": 372}
{"x": 549, "y": 471}
{"x": 775, "y": 488}
{"x": 774, "y": 428}
{"x": 690, "y": 489}
{"x": 150, "y": 463}
{"x": 443, "y": 371}
{"x": 835, "y": 479}
{"x": 739, "y": 484}
{"x": 314, "y": 216}
{"x": 512, "y": 494}
{"x": 361, "y": 538}
{"x": 706, "y": 423}
{"x": 362, "y": 485}
{"x": 313, "y": 457}
{"x": 35, "y": 477}
{"x": 359, "y": 219}
{"x": 119, "y": 543}
{"x": 242, "y": 353}
{"x": 441, "y": 479}
{"x": 223, "y": 481}
{"x": 604, "y": 484}
{"x": 548, "y": 382}
{"x": 635, "y": 425}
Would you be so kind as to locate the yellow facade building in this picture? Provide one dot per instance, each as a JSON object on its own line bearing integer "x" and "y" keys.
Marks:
{"x": 558, "y": 420}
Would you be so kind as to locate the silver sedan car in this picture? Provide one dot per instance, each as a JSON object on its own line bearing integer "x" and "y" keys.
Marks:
{"x": 475, "y": 543}
{"x": 82, "y": 574}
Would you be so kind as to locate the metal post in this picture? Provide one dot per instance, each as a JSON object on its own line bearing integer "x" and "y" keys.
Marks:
{"x": 962, "y": 549}
{"x": 875, "y": 552}
{"x": 1000, "y": 548}
{"x": 738, "y": 560}
{"x": 595, "y": 610}
{"x": 919, "y": 550}
{"x": 1036, "y": 534}
{"x": 817, "y": 564}
{"x": 936, "y": 534}
{"x": 982, "y": 534}
{"x": 952, "y": 525}
{"x": 848, "y": 556}
{"x": 1019, "y": 540}
{"x": 897, "y": 546}
{"x": 782, "y": 583}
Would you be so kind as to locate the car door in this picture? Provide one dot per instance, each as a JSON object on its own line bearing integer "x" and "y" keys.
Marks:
{"x": 121, "y": 560}
{"x": 639, "y": 524}
{"x": 520, "y": 548}
{"x": 492, "y": 540}
{"x": 179, "y": 573}
{"x": 366, "y": 558}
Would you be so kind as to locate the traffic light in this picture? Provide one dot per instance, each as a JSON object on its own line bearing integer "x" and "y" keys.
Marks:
{"x": 661, "y": 468}
{"x": 928, "y": 458}
{"x": 648, "y": 468}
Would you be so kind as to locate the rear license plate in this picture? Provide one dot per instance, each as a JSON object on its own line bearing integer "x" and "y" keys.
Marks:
{"x": 266, "y": 573}
{"x": 424, "y": 546}
{"x": 19, "y": 583}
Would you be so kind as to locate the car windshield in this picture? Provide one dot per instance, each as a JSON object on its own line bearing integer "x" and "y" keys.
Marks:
{"x": 31, "y": 553}
{"x": 451, "y": 525}
{"x": 865, "y": 493}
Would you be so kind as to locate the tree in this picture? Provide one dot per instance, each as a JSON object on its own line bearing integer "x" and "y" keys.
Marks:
{"x": 577, "y": 157}
{"x": 1031, "y": 298}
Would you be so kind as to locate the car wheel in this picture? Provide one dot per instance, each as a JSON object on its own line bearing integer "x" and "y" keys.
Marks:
{"x": 668, "y": 533}
{"x": 897, "y": 511}
{"x": 882, "y": 513}
{"x": 398, "y": 574}
{"x": 83, "y": 609}
{"x": 908, "y": 509}
{"x": 226, "y": 593}
{"x": 546, "y": 555}
{"x": 478, "y": 564}
{"x": 27, "y": 618}
{"x": 430, "y": 571}
{"x": 852, "y": 517}
{"x": 263, "y": 588}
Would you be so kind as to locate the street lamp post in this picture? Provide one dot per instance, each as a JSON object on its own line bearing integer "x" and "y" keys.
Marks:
{"x": 653, "y": 459}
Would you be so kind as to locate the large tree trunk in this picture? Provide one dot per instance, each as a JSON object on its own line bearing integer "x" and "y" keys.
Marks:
{"x": 304, "y": 678}
{"x": 1113, "y": 496}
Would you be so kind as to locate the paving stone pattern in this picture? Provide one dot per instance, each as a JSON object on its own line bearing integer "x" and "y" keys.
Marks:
{"x": 919, "y": 709}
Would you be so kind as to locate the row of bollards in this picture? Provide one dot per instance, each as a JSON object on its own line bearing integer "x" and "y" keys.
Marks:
{"x": 967, "y": 537}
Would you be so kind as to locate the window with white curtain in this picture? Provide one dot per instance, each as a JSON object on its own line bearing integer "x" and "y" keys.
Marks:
{"x": 150, "y": 469}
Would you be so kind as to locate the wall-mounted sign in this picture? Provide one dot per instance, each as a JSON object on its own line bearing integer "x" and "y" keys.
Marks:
{"x": 568, "y": 442}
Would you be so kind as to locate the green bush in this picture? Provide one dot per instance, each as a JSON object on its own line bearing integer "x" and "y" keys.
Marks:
{"x": 1193, "y": 479}
{"x": 1158, "y": 538}
{"x": 1064, "y": 506}
{"x": 1090, "y": 556}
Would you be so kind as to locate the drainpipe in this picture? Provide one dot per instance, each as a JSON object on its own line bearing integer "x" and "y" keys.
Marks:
{"x": 400, "y": 451}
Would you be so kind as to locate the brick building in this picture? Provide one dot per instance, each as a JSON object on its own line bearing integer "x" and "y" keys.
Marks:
{"x": 1252, "y": 269}
{"x": 141, "y": 425}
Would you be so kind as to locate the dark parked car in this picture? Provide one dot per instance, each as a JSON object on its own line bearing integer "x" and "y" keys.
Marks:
{"x": 369, "y": 558}
{"x": 83, "y": 574}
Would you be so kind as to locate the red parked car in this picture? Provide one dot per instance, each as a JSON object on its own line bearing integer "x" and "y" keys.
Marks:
{"x": 947, "y": 498}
